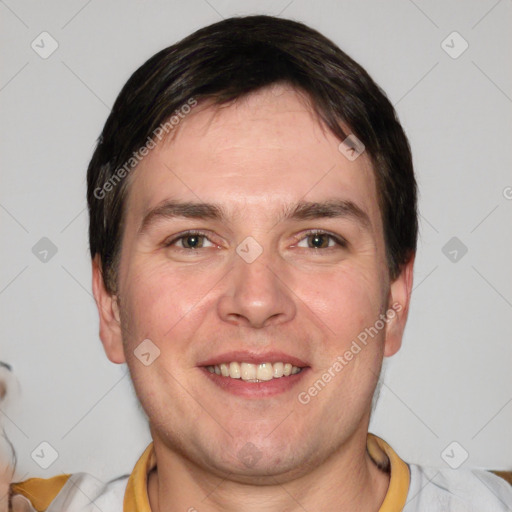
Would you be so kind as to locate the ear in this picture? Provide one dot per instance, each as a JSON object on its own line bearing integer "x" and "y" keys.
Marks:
{"x": 108, "y": 310}
{"x": 398, "y": 302}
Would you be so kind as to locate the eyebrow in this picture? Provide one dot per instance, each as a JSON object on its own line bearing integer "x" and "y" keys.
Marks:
{"x": 303, "y": 210}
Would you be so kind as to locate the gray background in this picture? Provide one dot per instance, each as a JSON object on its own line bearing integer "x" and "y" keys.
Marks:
{"x": 452, "y": 379}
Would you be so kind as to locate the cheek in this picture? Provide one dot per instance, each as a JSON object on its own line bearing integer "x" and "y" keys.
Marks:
{"x": 158, "y": 302}
{"x": 347, "y": 300}
{"x": 162, "y": 307}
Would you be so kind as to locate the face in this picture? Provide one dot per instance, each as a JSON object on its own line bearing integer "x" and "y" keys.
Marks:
{"x": 250, "y": 238}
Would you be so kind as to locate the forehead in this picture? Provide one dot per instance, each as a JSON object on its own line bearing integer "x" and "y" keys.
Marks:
{"x": 268, "y": 148}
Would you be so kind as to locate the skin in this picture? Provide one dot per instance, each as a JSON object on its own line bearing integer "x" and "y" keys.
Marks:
{"x": 252, "y": 158}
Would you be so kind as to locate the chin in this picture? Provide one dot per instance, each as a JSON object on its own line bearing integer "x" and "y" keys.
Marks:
{"x": 256, "y": 461}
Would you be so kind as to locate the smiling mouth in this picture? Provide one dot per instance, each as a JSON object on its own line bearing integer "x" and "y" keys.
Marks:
{"x": 249, "y": 372}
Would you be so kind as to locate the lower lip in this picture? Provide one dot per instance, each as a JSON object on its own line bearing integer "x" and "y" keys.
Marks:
{"x": 256, "y": 389}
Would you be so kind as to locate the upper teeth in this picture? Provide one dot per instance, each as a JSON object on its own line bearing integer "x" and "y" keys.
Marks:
{"x": 254, "y": 372}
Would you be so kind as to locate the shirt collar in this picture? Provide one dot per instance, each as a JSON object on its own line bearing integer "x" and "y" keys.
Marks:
{"x": 136, "y": 494}
{"x": 400, "y": 476}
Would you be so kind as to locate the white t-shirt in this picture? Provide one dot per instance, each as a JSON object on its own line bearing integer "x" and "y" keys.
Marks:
{"x": 456, "y": 490}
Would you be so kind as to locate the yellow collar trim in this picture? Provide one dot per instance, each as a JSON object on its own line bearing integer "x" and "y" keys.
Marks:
{"x": 136, "y": 495}
{"x": 40, "y": 491}
{"x": 400, "y": 476}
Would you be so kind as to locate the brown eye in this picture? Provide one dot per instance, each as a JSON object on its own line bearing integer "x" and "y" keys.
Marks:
{"x": 320, "y": 240}
{"x": 190, "y": 240}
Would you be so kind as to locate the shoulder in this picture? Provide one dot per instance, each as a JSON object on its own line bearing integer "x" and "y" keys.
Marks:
{"x": 459, "y": 490}
{"x": 68, "y": 493}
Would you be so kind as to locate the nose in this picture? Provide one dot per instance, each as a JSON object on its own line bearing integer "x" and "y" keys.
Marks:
{"x": 255, "y": 293}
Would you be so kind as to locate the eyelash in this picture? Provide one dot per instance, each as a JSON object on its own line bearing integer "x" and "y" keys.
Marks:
{"x": 341, "y": 242}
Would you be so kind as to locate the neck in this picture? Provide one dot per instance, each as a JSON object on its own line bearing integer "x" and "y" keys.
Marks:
{"x": 348, "y": 480}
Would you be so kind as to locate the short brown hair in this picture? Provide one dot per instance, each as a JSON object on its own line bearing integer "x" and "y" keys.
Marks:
{"x": 229, "y": 60}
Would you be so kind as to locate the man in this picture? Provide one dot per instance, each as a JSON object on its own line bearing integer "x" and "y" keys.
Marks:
{"x": 253, "y": 230}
